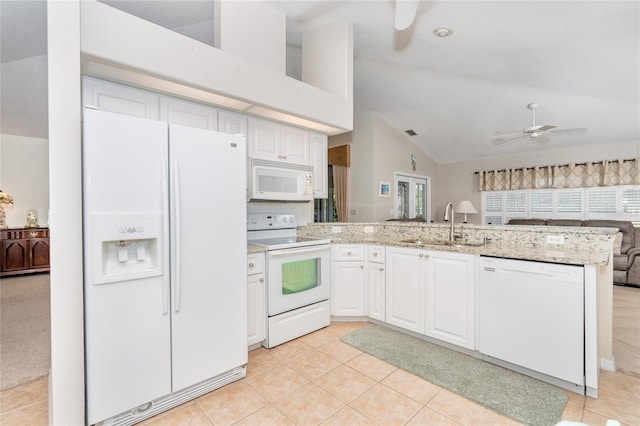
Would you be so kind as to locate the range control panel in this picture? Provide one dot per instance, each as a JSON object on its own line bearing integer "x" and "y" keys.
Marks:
{"x": 262, "y": 221}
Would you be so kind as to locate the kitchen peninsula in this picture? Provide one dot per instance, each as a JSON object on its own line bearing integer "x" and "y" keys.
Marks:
{"x": 410, "y": 277}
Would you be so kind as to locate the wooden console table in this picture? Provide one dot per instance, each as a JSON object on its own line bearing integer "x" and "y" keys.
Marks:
{"x": 24, "y": 251}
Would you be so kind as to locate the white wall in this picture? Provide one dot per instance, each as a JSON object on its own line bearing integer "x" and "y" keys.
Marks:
{"x": 458, "y": 181}
{"x": 377, "y": 151}
{"x": 24, "y": 173}
{"x": 392, "y": 153}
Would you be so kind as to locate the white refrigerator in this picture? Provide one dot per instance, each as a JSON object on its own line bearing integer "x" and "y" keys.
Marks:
{"x": 164, "y": 256}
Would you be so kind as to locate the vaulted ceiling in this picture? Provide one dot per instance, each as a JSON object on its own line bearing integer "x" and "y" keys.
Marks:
{"x": 579, "y": 60}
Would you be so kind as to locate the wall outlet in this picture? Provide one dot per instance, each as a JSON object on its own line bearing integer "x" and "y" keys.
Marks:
{"x": 555, "y": 239}
{"x": 368, "y": 229}
{"x": 336, "y": 230}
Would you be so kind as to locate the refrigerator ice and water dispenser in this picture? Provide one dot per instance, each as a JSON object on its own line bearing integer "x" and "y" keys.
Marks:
{"x": 126, "y": 247}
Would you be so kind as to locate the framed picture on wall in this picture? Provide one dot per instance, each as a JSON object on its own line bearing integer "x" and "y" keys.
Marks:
{"x": 384, "y": 189}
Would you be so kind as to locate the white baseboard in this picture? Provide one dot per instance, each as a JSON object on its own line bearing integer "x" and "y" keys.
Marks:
{"x": 608, "y": 364}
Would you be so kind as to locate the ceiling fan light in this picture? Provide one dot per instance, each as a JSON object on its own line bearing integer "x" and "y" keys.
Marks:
{"x": 443, "y": 32}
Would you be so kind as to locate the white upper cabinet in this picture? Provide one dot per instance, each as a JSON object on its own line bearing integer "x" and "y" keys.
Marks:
{"x": 318, "y": 151}
{"x": 231, "y": 122}
{"x": 111, "y": 97}
{"x": 188, "y": 113}
{"x": 277, "y": 142}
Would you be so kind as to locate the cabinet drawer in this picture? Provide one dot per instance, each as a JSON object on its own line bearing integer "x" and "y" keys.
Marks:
{"x": 348, "y": 252}
{"x": 375, "y": 254}
{"x": 18, "y": 234}
{"x": 255, "y": 263}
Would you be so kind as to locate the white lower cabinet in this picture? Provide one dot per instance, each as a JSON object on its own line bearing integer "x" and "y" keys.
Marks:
{"x": 450, "y": 298}
{"x": 406, "y": 288}
{"x": 376, "y": 282}
{"x": 349, "y": 295}
{"x": 256, "y": 312}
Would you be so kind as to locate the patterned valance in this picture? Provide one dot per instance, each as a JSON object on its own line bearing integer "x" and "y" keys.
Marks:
{"x": 574, "y": 175}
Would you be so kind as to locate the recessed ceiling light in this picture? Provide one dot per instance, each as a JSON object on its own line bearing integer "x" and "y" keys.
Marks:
{"x": 443, "y": 32}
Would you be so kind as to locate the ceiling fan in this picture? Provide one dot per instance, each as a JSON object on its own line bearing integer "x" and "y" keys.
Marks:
{"x": 539, "y": 133}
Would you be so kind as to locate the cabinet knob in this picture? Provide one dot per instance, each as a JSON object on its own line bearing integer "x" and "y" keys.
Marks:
{"x": 361, "y": 266}
{"x": 251, "y": 265}
{"x": 375, "y": 254}
{"x": 421, "y": 255}
{"x": 261, "y": 280}
{"x": 381, "y": 269}
{"x": 348, "y": 253}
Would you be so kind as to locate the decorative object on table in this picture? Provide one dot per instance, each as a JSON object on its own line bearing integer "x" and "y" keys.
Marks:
{"x": 32, "y": 219}
{"x": 465, "y": 207}
{"x": 413, "y": 162}
{"x": 384, "y": 189}
{"x": 5, "y": 199}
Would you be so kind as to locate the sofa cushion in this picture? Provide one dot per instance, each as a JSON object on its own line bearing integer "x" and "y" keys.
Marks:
{"x": 627, "y": 229}
{"x": 620, "y": 262}
{"x": 564, "y": 222}
{"x": 527, "y": 221}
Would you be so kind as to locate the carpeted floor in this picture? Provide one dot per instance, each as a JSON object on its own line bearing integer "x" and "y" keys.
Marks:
{"x": 522, "y": 398}
{"x": 25, "y": 329}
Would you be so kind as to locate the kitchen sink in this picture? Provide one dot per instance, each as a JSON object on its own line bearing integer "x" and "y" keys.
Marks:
{"x": 420, "y": 242}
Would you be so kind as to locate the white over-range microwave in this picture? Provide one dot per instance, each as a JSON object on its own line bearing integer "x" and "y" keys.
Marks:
{"x": 272, "y": 180}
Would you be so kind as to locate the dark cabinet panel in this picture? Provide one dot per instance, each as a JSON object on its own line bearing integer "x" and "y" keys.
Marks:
{"x": 24, "y": 250}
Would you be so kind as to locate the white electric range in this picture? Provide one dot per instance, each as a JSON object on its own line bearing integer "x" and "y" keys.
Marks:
{"x": 298, "y": 277}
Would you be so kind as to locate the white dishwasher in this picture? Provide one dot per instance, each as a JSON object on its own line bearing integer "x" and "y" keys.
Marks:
{"x": 531, "y": 314}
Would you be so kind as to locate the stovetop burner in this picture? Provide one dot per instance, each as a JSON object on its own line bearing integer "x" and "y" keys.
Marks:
{"x": 277, "y": 231}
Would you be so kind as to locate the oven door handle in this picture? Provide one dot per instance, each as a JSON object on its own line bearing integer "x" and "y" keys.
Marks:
{"x": 299, "y": 250}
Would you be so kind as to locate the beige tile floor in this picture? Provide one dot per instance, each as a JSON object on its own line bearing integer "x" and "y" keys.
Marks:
{"x": 317, "y": 379}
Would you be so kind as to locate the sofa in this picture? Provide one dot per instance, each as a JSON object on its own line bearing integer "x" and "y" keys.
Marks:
{"x": 626, "y": 251}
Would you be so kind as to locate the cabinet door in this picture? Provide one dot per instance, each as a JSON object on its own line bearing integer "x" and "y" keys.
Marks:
{"x": 405, "y": 288}
{"x": 450, "y": 298}
{"x": 15, "y": 255}
{"x": 264, "y": 140}
{"x": 187, "y": 113}
{"x": 39, "y": 257}
{"x": 255, "y": 309}
{"x": 348, "y": 289}
{"x": 230, "y": 122}
{"x": 376, "y": 291}
{"x": 318, "y": 152}
{"x": 294, "y": 145}
{"x": 121, "y": 99}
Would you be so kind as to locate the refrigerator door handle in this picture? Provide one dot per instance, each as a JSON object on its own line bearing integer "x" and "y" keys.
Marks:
{"x": 164, "y": 190}
{"x": 177, "y": 284}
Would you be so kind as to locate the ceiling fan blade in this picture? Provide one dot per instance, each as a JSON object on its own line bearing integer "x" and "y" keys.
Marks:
{"x": 540, "y": 140}
{"x": 500, "y": 135}
{"x": 576, "y": 131}
{"x": 546, "y": 128}
{"x": 506, "y": 140}
{"x": 405, "y": 13}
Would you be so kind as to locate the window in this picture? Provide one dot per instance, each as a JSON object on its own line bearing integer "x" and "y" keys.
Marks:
{"x": 604, "y": 202}
{"x": 412, "y": 196}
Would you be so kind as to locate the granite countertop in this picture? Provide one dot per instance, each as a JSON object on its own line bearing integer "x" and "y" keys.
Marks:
{"x": 252, "y": 248}
{"x": 543, "y": 253}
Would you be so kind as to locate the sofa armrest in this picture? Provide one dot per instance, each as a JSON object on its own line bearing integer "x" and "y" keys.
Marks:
{"x": 633, "y": 271}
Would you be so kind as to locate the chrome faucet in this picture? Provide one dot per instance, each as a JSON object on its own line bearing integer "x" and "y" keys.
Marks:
{"x": 448, "y": 211}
